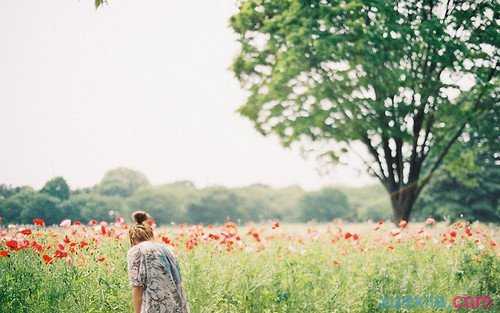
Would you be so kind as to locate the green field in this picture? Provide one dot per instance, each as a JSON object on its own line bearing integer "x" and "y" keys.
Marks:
{"x": 286, "y": 268}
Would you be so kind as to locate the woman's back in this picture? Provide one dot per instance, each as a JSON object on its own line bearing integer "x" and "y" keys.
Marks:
{"x": 153, "y": 266}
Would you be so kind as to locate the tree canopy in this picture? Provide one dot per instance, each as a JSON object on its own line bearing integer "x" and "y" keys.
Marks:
{"x": 403, "y": 78}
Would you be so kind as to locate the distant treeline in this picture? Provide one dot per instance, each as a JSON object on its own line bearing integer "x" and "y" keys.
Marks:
{"x": 122, "y": 191}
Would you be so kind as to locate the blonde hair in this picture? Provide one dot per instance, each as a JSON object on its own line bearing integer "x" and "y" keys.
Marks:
{"x": 140, "y": 231}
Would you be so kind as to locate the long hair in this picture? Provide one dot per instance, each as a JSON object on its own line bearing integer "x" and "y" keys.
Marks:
{"x": 140, "y": 231}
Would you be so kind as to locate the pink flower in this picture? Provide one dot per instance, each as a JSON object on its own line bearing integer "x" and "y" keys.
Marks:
{"x": 65, "y": 223}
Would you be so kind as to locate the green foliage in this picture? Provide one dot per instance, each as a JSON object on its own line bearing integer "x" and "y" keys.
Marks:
{"x": 122, "y": 182}
{"x": 85, "y": 207}
{"x": 404, "y": 78}
{"x": 325, "y": 205}
{"x": 215, "y": 205}
{"x": 164, "y": 206}
{"x": 473, "y": 196}
{"x": 370, "y": 202}
{"x": 28, "y": 204}
{"x": 276, "y": 279}
{"x": 57, "y": 187}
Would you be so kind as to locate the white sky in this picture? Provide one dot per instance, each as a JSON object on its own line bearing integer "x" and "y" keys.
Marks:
{"x": 142, "y": 84}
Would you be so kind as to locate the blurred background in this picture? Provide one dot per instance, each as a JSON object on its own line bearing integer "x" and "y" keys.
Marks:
{"x": 133, "y": 106}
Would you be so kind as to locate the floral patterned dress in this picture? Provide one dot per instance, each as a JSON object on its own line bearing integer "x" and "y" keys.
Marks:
{"x": 153, "y": 266}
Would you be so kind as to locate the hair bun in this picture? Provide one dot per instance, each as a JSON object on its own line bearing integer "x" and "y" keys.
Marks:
{"x": 140, "y": 216}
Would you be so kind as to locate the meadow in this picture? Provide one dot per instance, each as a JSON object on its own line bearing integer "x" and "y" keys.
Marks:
{"x": 269, "y": 268}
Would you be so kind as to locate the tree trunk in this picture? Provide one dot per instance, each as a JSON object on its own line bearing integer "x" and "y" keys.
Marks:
{"x": 402, "y": 201}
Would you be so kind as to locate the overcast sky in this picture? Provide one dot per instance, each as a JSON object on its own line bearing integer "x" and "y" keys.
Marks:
{"x": 141, "y": 84}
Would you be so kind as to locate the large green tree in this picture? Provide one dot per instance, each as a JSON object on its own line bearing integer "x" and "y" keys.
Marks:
{"x": 57, "y": 187}
{"x": 402, "y": 79}
{"x": 122, "y": 182}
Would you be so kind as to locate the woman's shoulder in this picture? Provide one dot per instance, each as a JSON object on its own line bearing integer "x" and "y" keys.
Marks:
{"x": 134, "y": 250}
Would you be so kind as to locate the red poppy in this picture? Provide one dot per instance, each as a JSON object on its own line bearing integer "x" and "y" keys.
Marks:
{"x": 468, "y": 231}
{"x": 347, "y": 235}
{"x": 77, "y": 223}
{"x": 214, "y": 236}
{"x": 4, "y": 253}
{"x": 38, "y": 222}
{"x": 66, "y": 239}
{"x": 355, "y": 236}
{"x": 47, "y": 259}
{"x": 83, "y": 244}
{"x": 60, "y": 254}
{"x": 36, "y": 246}
{"x": 12, "y": 244}
{"x": 453, "y": 233}
{"x": 92, "y": 222}
{"x": 25, "y": 231}
{"x": 104, "y": 230}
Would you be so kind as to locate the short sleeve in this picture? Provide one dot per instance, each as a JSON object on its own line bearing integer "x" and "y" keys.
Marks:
{"x": 136, "y": 268}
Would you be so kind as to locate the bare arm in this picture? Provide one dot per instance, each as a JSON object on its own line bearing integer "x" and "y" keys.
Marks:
{"x": 137, "y": 298}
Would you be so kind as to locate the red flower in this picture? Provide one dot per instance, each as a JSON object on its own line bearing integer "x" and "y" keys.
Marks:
{"x": 25, "y": 231}
{"x": 12, "y": 244}
{"x": 66, "y": 239}
{"x": 104, "y": 230}
{"x": 47, "y": 259}
{"x": 214, "y": 236}
{"x": 83, "y": 244}
{"x": 453, "y": 233}
{"x": 36, "y": 246}
{"x": 4, "y": 253}
{"x": 38, "y": 222}
{"x": 60, "y": 254}
{"x": 347, "y": 235}
{"x": 468, "y": 231}
{"x": 355, "y": 236}
{"x": 92, "y": 222}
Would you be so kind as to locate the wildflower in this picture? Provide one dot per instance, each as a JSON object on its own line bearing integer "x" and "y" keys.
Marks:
{"x": 38, "y": 222}
{"x": 430, "y": 221}
{"x": 453, "y": 233}
{"x": 60, "y": 254}
{"x": 47, "y": 259}
{"x": 347, "y": 235}
{"x": 101, "y": 258}
{"x": 12, "y": 244}
{"x": 65, "y": 223}
{"x": 36, "y": 246}
{"x": 25, "y": 231}
{"x": 4, "y": 253}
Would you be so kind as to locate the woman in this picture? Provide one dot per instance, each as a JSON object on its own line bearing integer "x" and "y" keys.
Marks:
{"x": 153, "y": 272}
